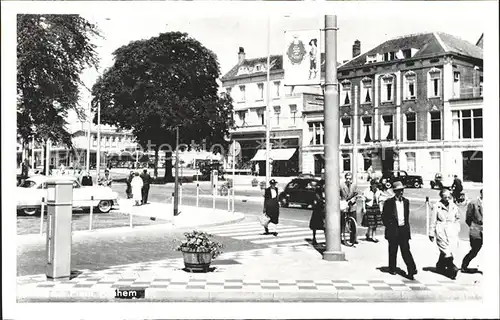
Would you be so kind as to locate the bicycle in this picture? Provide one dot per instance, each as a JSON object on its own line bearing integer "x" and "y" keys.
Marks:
{"x": 348, "y": 228}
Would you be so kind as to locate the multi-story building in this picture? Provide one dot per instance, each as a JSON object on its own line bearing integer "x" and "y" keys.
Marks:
{"x": 412, "y": 103}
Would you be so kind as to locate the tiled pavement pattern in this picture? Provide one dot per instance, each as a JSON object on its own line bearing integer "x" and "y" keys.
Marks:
{"x": 166, "y": 277}
{"x": 288, "y": 235}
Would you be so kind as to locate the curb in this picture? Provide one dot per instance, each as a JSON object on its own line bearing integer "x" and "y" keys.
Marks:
{"x": 162, "y": 295}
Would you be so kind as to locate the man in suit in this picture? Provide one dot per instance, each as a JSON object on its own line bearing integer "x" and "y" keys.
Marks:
{"x": 146, "y": 180}
{"x": 271, "y": 206}
{"x": 474, "y": 219}
{"x": 456, "y": 188}
{"x": 348, "y": 193}
{"x": 395, "y": 216}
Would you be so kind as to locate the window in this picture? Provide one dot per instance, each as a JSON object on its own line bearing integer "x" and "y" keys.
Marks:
{"x": 260, "y": 88}
{"x": 410, "y": 162}
{"x": 94, "y": 140}
{"x": 258, "y": 68}
{"x": 293, "y": 113}
{"x": 407, "y": 53}
{"x": 276, "y": 89}
{"x": 387, "y": 128}
{"x": 292, "y": 89}
{"x": 467, "y": 124}
{"x": 456, "y": 84}
{"x": 410, "y": 85}
{"x": 392, "y": 55}
{"x": 371, "y": 59}
{"x": 346, "y": 124}
{"x": 261, "y": 114}
{"x": 434, "y": 83}
{"x": 277, "y": 111}
{"x": 411, "y": 126}
{"x": 345, "y": 95}
{"x": 435, "y": 165}
{"x": 346, "y": 162}
{"x": 387, "y": 88}
{"x": 242, "y": 93}
{"x": 317, "y": 133}
{"x": 367, "y": 124}
{"x": 386, "y": 56}
{"x": 242, "y": 116}
{"x": 366, "y": 90}
{"x": 481, "y": 86}
{"x": 435, "y": 125}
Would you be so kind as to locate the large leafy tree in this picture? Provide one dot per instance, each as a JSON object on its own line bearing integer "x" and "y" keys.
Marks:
{"x": 52, "y": 52}
{"x": 163, "y": 83}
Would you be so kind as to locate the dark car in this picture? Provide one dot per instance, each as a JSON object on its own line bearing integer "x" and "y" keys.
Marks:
{"x": 300, "y": 191}
{"x": 411, "y": 181}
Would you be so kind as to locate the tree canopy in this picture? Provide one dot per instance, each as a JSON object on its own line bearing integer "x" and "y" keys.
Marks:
{"x": 162, "y": 83}
{"x": 52, "y": 52}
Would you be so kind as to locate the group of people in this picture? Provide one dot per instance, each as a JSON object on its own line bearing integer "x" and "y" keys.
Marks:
{"x": 385, "y": 205}
{"x": 138, "y": 187}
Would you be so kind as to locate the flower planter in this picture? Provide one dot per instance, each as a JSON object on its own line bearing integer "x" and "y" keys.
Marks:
{"x": 262, "y": 185}
{"x": 197, "y": 261}
{"x": 255, "y": 183}
{"x": 223, "y": 192}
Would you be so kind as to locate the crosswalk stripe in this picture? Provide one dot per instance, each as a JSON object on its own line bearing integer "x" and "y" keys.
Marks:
{"x": 279, "y": 239}
{"x": 293, "y": 233}
{"x": 239, "y": 226}
{"x": 280, "y": 231}
{"x": 252, "y": 233}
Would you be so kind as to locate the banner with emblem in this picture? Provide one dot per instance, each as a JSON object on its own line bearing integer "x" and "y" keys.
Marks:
{"x": 302, "y": 58}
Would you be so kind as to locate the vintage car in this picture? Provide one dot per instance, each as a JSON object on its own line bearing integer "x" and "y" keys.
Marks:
{"x": 441, "y": 181}
{"x": 408, "y": 180}
{"x": 30, "y": 193}
{"x": 300, "y": 191}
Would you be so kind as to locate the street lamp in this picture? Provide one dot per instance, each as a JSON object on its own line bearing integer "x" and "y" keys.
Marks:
{"x": 268, "y": 102}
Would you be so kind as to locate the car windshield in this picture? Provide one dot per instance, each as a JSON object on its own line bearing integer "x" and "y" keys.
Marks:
{"x": 28, "y": 184}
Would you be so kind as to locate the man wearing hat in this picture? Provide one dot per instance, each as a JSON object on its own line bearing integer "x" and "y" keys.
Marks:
{"x": 396, "y": 219}
{"x": 271, "y": 205}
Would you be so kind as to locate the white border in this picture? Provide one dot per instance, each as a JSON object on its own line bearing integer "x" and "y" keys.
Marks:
{"x": 489, "y": 307}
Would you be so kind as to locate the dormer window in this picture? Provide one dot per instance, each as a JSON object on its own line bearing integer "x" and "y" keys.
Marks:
{"x": 410, "y": 85}
{"x": 258, "y": 68}
{"x": 407, "y": 53}
{"x": 371, "y": 59}
{"x": 387, "y": 88}
{"x": 243, "y": 70}
{"x": 366, "y": 90}
{"x": 345, "y": 94}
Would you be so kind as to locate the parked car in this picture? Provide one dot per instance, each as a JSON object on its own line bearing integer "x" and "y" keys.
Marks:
{"x": 441, "y": 182}
{"x": 299, "y": 191}
{"x": 30, "y": 192}
{"x": 411, "y": 181}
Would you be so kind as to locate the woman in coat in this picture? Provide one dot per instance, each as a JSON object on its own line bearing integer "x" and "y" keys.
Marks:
{"x": 317, "y": 221}
{"x": 445, "y": 226}
{"x": 373, "y": 217}
{"x": 136, "y": 184}
{"x": 129, "y": 185}
{"x": 271, "y": 205}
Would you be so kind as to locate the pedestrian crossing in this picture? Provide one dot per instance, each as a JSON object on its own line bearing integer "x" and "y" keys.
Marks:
{"x": 288, "y": 235}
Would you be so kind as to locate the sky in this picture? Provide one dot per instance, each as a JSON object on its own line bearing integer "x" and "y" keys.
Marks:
{"x": 224, "y": 29}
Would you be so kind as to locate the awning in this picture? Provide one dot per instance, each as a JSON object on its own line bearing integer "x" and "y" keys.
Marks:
{"x": 275, "y": 154}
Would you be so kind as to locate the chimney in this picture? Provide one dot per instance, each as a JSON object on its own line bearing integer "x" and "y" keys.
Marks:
{"x": 241, "y": 55}
{"x": 356, "y": 49}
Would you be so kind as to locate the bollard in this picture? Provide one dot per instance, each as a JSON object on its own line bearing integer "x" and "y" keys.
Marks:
{"x": 213, "y": 197}
{"x": 228, "y": 201}
{"x": 41, "y": 215}
{"x": 91, "y": 212}
{"x": 180, "y": 196}
{"x": 427, "y": 215}
{"x": 197, "y": 194}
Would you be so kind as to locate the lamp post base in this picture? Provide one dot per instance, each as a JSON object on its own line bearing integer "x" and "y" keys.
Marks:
{"x": 334, "y": 256}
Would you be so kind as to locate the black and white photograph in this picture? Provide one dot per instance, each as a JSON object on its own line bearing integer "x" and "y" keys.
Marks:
{"x": 250, "y": 160}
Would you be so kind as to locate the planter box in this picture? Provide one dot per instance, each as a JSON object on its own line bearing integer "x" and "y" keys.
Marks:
{"x": 197, "y": 261}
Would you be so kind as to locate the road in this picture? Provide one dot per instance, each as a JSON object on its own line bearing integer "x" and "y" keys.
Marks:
{"x": 101, "y": 250}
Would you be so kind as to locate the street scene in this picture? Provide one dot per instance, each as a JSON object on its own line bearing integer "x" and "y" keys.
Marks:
{"x": 307, "y": 159}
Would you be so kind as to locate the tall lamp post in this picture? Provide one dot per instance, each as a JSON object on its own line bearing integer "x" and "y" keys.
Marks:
{"x": 331, "y": 113}
{"x": 98, "y": 155}
{"x": 268, "y": 102}
{"x": 176, "y": 184}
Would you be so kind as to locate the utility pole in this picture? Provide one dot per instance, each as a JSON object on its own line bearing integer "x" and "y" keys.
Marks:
{"x": 98, "y": 155}
{"x": 268, "y": 102}
{"x": 176, "y": 184}
{"x": 331, "y": 114}
{"x": 89, "y": 137}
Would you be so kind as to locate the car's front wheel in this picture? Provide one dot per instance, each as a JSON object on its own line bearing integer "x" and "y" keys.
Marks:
{"x": 416, "y": 184}
{"x": 105, "y": 206}
{"x": 29, "y": 211}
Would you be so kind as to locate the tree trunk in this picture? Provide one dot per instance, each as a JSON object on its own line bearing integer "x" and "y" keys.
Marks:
{"x": 155, "y": 172}
{"x": 168, "y": 167}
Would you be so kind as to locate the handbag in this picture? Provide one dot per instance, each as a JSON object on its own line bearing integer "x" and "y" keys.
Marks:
{"x": 264, "y": 220}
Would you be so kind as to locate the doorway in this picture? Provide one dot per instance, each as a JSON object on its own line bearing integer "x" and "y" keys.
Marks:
{"x": 472, "y": 166}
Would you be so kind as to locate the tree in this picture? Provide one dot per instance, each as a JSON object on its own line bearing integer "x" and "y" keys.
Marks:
{"x": 52, "y": 51}
{"x": 164, "y": 83}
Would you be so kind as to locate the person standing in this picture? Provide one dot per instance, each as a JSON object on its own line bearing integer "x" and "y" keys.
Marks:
{"x": 372, "y": 218}
{"x": 317, "y": 221}
{"x": 146, "y": 180}
{"x": 456, "y": 187}
{"x": 348, "y": 193}
{"x": 87, "y": 180}
{"x": 271, "y": 205}
{"x": 474, "y": 219}
{"x": 444, "y": 227}
{"x": 128, "y": 191}
{"x": 396, "y": 219}
{"x": 105, "y": 180}
{"x": 137, "y": 184}
{"x": 313, "y": 65}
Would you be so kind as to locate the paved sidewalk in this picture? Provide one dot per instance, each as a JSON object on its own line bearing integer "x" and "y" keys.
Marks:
{"x": 273, "y": 274}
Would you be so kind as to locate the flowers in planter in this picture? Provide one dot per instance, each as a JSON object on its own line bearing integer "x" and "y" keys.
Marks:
{"x": 262, "y": 185}
{"x": 255, "y": 182}
{"x": 199, "y": 241}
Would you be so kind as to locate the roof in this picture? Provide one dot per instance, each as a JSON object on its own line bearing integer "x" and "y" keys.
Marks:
{"x": 428, "y": 45}
{"x": 276, "y": 65}
{"x": 479, "y": 42}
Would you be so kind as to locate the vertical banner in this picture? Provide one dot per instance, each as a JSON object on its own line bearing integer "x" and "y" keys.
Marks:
{"x": 302, "y": 58}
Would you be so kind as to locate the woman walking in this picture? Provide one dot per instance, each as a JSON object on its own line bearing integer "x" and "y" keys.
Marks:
{"x": 271, "y": 205}
{"x": 317, "y": 221}
{"x": 445, "y": 226}
{"x": 373, "y": 217}
{"x": 137, "y": 189}
{"x": 129, "y": 185}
